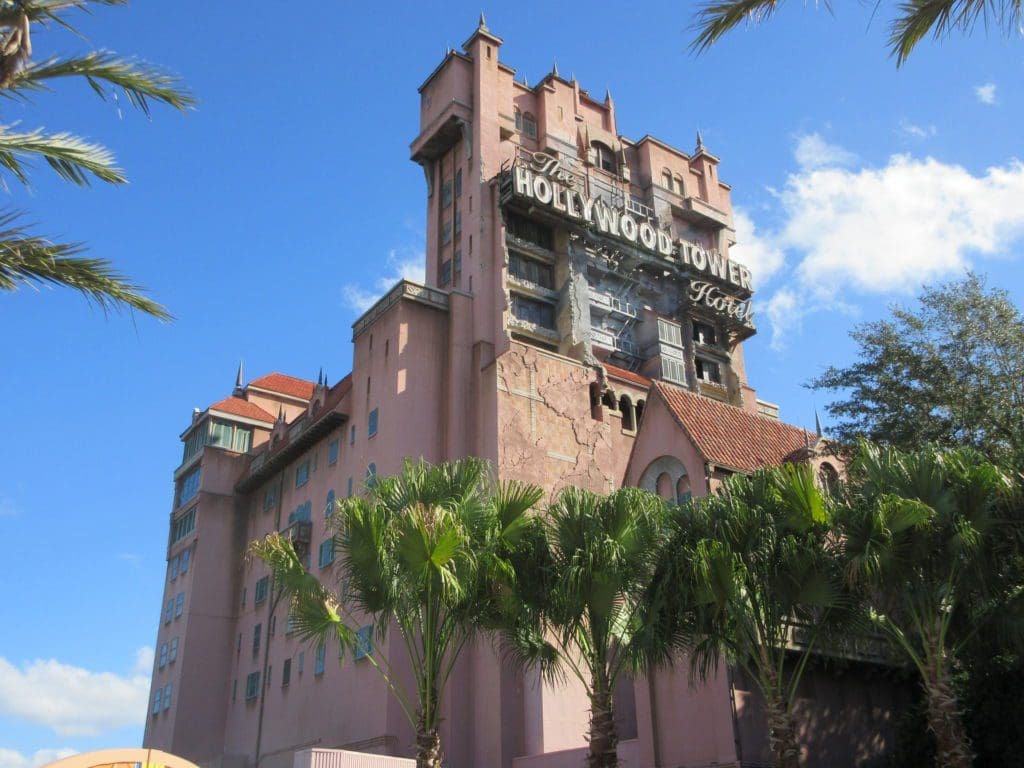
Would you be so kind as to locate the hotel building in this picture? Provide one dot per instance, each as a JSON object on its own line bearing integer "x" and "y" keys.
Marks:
{"x": 581, "y": 323}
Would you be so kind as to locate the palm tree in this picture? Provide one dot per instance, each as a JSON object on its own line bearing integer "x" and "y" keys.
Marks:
{"x": 750, "y": 573}
{"x": 916, "y": 19}
{"x": 27, "y": 258}
{"x": 428, "y": 552}
{"x": 926, "y": 538}
{"x": 584, "y": 591}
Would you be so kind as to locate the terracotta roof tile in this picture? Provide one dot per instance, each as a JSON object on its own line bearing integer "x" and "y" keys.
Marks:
{"x": 732, "y": 437}
{"x": 622, "y": 373}
{"x": 285, "y": 385}
{"x": 236, "y": 406}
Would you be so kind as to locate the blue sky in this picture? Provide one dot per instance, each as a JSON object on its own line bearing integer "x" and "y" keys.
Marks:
{"x": 267, "y": 216}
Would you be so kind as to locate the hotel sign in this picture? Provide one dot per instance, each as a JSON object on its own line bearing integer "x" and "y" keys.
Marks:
{"x": 545, "y": 182}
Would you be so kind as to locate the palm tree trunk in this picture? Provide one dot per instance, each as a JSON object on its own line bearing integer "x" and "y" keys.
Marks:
{"x": 604, "y": 740}
{"x": 945, "y": 720}
{"x": 428, "y": 747}
{"x": 782, "y": 734}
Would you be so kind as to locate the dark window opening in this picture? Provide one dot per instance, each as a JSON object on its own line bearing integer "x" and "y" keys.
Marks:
{"x": 704, "y": 333}
{"x": 531, "y": 270}
{"x": 628, "y": 417}
{"x": 531, "y": 231}
{"x": 604, "y": 158}
{"x": 709, "y": 371}
{"x": 529, "y": 310}
{"x": 639, "y": 411}
{"x": 608, "y": 400}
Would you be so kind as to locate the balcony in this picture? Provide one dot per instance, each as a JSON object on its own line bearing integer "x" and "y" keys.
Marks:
{"x": 610, "y": 304}
{"x": 699, "y": 212}
{"x": 300, "y": 534}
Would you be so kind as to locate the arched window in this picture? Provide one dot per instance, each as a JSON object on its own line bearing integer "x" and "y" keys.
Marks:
{"x": 664, "y": 486}
{"x": 519, "y": 119}
{"x": 683, "y": 492}
{"x": 329, "y": 507}
{"x": 639, "y": 412}
{"x": 666, "y": 179}
{"x": 604, "y": 158}
{"x": 530, "y": 125}
{"x": 828, "y": 478}
{"x": 679, "y": 185}
{"x": 608, "y": 400}
{"x": 628, "y": 417}
{"x": 371, "y": 475}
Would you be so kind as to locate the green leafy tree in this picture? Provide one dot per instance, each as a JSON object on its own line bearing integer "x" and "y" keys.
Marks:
{"x": 751, "y": 573}
{"x": 27, "y": 258}
{"x": 915, "y": 19}
{"x": 584, "y": 609}
{"x": 926, "y": 538}
{"x": 426, "y": 553}
{"x": 949, "y": 372}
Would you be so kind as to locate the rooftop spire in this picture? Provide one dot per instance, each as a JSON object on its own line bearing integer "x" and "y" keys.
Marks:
{"x": 280, "y": 412}
{"x": 607, "y": 96}
{"x": 239, "y": 377}
{"x": 700, "y": 141}
{"x": 320, "y": 377}
{"x": 554, "y": 68}
{"x": 817, "y": 423}
{"x": 482, "y": 26}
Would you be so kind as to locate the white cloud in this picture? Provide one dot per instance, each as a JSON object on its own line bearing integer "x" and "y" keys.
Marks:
{"x": 986, "y": 93}
{"x": 885, "y": 230}
{"x": 73, "y": 701}
{"x": 10, "y": 758}
{"x": 812, "y": 151}
{"x": 914, "y": 131}
{"x": 405, "y": 264}
{"x": 753, "y": 249}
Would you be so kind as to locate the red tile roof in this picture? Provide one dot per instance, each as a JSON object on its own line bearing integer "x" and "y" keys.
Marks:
{"x": 285, "y": 385}
{"x": 239, "y": 407}
{"x": 727, "y": 435}
{"x": 622, "y": 373}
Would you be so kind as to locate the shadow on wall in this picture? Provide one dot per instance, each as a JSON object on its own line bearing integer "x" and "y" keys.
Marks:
{"x": 847, "y": 714}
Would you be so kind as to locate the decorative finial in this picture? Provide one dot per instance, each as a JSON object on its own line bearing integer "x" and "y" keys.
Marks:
{"x": 483, "y": 22}
{"x": 817, "y": 423}
{"x": 240, "y": 376}
{"x": 320, "y": 378}
{"x": 280, "y": 412}
{"x": 554, "y": 68}
{"x": 700, "y": 141}
{"x": 607, "y": 96}
{"x": 572, "y": 77}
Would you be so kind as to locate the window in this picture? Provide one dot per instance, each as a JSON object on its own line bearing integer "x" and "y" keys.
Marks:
{"x": 628, "y": 416}
{"x": 530, "y": 125}
{"x": 446, "y": 193}
{"x": 533, "y": 311}
{"x": 169, "y": 611}
{"x": 196, "y": 441}
{"x": 179, "y": 604}
{"x": 262, "y": 587}
{"x": 302, "y": 474}
{"x": 230, "y": 436}
{"x": 302, "y": 661}
{"x": 828, "y": 478}
{"x": 666, "y": 179}
{"x": 456, "y": 262}
{"x": 245, "y": 592}
{"x": 321, "y": 659}
{"x": 371, "y": 475}
{"x": 329, "y": 507}
{"x": 446, "y": 232}
{"x": 326, "y": 552}
{"x": 257, "y": 631}
{"x": 186, "y": 556}
{"x": 673, "y": 370}
{"x": 446, "y": 273}
{"x": 167, "y": 696}
{"x": 266, "y": 680}
{"x": 530, "y": 270}
{"x": 683, "y": 491}
{"x": 332, "y": 452}
{"x": 252, "y": 686}
{"x": 175, "y": 562}
{"x": 183, "y": 526}
{"x": 372, "y": 423}
{"x": 270, "y": 498}
{"x": 664, "y": 485}
{"x": 531, "y": 231}
{"x": 519, "y": 119}
{"x": 704, "y": 333}
{"x": 708, "y": 371}
{"x": 239, "y": 648}
{"x": 458, "y": 222}
{"x": 163, "y": 655}
{"x": 172, "y": 652}
{"x": 352, "y": 435}
{"x": 158, "y": 696}
{"x": 302, "y": 513}
{"x": 348, "y": 489}
{"x": 639, "y": 412}
{"x": 364, "y": 642}
{"x": 286, "y": 673}
{"x": 604, "y": 158}
{"x": 670, "y": 333}
{"x": 189, "y": 486}
{"x": 458, "y": 183}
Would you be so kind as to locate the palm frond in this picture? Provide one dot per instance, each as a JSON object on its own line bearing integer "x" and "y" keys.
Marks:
{"x": 918, "y": 18}
{"x": 27, "y": 259}
{"x": 139, "y": 81}
{"x": 72, "y": 158}
{"x": 715, "y": 19}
